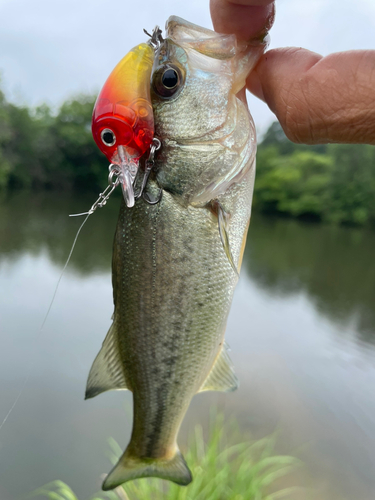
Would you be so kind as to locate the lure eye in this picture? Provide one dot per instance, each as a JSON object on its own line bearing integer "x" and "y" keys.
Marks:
{"x": 167, "y": 80}
{"x": 108, "y": 137}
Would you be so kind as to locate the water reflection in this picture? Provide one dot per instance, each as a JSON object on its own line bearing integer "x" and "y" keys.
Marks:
{"x": 301, "y": 329}
{"x": 35, "y": 223}
{"x": 333, "y": 265}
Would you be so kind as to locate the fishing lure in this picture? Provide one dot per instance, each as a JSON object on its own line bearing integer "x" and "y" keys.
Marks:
{"x": 122, "y": 121}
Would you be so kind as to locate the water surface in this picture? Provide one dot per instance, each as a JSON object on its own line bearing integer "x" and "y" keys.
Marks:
{"x": 301, "y": 329}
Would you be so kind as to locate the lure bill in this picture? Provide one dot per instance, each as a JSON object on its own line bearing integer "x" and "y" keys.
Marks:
{"x": 176, "y": 261}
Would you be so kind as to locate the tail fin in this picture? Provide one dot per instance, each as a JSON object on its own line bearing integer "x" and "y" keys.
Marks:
{"x": 129, "y": 467}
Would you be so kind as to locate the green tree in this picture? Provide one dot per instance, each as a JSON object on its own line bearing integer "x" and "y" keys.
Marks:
{"x": 5, "y": 133}
{"x": 79, "y": 160}
{"x": 42, "y": 149}
{"x": 351, "y": 191}
{"x": 39, "y": 149}
{"x": 334, "y": 182}
{"x": 28, "y": 141}
{"x": 294, "y": 184}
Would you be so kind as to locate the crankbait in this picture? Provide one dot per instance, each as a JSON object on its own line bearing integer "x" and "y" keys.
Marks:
{"x": 122, "y": 122}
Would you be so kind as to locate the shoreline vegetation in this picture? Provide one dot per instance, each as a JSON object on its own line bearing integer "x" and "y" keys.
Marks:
{"x": 43, "y": 150}
{"x": 225, "y": 466}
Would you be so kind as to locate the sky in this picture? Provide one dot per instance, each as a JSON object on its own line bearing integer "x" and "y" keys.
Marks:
{"x": 52, "y": 50}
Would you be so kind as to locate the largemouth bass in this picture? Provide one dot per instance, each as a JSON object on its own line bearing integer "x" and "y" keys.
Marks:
{"x": 176, "y": 262}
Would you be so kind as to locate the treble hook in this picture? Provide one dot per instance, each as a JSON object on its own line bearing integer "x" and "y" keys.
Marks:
{"x": 148, "y": 200}
{"x": 155, "y": 38}
{"x": 148, "y": 167}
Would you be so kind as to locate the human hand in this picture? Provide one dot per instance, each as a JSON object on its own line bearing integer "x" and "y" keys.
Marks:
{"x": 247, "y": 19}
{"x": 316, "y": 99}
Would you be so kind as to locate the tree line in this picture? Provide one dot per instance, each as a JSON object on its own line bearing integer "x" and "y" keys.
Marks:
{"x": 42, "y": 149}
{"x": 332, "y": 182}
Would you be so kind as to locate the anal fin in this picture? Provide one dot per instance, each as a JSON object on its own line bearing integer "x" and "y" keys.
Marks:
{"x": 106, "y": 372}
{"x": 221, "y": 377}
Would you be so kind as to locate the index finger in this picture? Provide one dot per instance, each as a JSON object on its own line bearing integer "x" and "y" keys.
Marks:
{"x": 247, "y": 19}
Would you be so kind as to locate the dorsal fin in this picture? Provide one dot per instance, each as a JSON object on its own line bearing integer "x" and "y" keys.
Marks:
{"x": 221, "y": 377}
{"x": 106, "y": 373}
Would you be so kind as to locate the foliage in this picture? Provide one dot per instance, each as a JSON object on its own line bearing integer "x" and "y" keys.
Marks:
{"x": 46, "y": 150}
{"x": 5, "y": 133}
{"x": 351, "y": 191}
{"x": 40, "y": 149}
{"x": 333, "y": 183}
{"x": 221, "y": 470}
{"x": 294, "y": 184}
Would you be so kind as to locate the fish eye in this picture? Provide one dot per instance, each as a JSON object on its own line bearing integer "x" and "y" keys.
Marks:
{"x": 167, "y": 80}
{"x": 108, "y": 137}
{"x": 170, "y": 78}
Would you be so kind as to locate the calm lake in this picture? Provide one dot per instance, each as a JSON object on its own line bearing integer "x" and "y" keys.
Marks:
{"x": 301, "y": 330}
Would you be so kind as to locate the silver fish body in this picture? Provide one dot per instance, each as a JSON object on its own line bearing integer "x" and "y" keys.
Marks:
{"x": 176, "y": 263}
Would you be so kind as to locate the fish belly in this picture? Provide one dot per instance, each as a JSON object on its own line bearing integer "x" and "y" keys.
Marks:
{"x": 173, "y": 288}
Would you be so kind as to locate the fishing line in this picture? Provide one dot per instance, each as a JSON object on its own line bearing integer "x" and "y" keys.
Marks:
{"x": 45, "y": 319}
{"x": 62, "y": 273}
{"x": 114, "y": 180}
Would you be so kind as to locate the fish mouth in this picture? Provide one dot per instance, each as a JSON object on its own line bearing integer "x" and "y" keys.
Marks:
{"x": 123, "y": 120}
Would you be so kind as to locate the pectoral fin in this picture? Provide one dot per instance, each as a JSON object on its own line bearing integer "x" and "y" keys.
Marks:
{"x": 106, "y": 373}
{"x": 221, "y": 377}
{"x": 222, "y": 218}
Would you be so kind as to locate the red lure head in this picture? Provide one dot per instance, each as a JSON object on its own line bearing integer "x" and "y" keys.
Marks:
{"x": 123, "y": 112}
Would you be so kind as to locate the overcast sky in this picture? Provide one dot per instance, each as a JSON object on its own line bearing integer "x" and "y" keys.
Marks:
{"x": 52, "y": 49}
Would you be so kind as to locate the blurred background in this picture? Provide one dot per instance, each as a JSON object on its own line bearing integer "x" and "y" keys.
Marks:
{"x": 302, "y": 325}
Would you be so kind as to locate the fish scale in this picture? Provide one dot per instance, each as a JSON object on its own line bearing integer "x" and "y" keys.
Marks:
{"x": 188, "y": 320}
{"x": 176, "y": 263}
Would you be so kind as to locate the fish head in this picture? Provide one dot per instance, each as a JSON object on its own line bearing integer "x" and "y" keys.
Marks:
{"x": 185, "y": 94}
{"x": 207, "y": 133}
